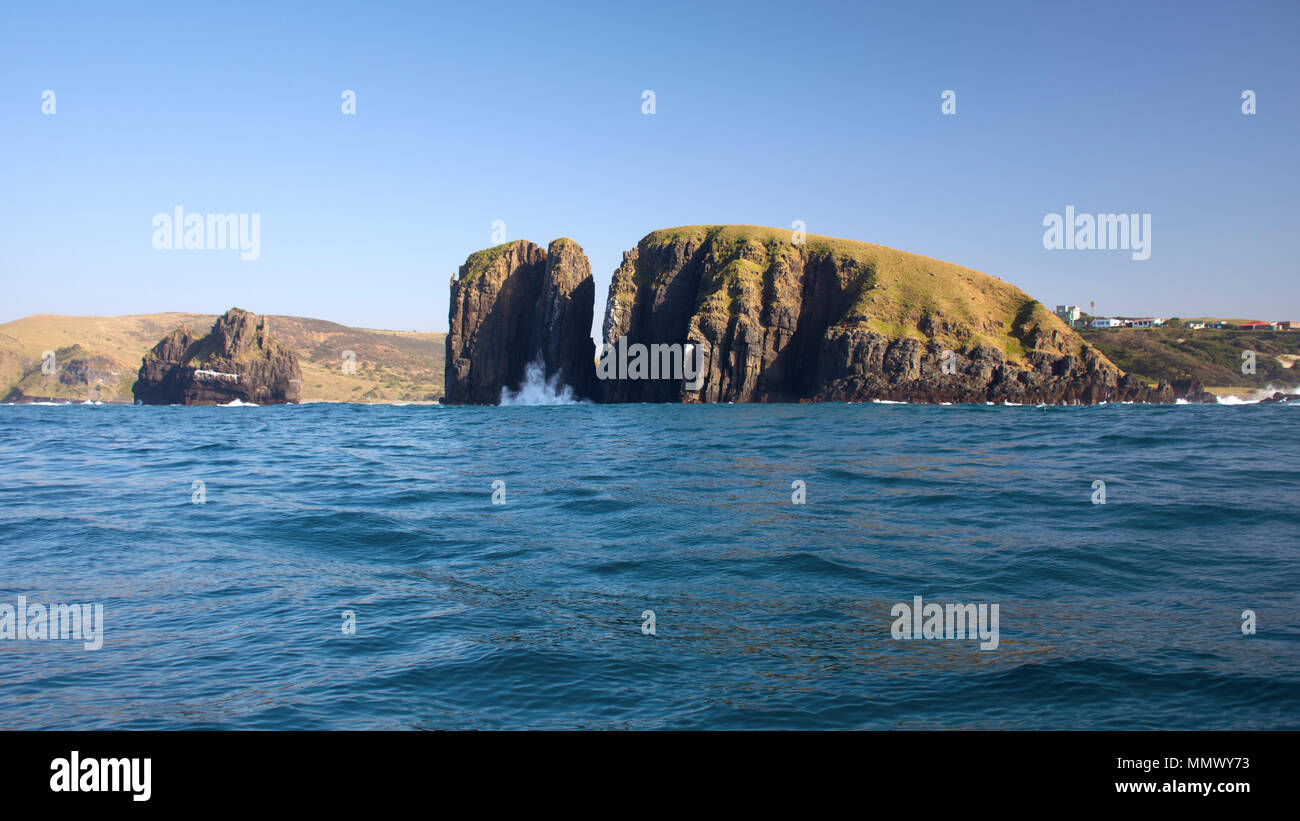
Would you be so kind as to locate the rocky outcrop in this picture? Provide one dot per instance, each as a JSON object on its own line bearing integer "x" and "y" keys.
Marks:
{"x": 514, "y": 305}
{"x": 72, "y": 374}
{"x": 1279, "y": 396}
{"x": 237, "y": 360}
{"x": 782, "y": 318}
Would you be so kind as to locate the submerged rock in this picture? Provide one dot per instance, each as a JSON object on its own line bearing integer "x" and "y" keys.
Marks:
{"x": 237, "y": 360}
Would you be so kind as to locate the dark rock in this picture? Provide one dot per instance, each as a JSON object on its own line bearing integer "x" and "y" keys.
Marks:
{"x": 513, "y": 305}
{"x": 780, "y": 322}
{"x": 237, "y": 360}
{"x": 1279, "y": 396}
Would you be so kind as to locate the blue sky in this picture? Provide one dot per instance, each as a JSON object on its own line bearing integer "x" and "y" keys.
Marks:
{"x": 531, "y": 114}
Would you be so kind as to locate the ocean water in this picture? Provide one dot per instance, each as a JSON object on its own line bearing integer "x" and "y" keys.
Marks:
{"x": 767, "y": 613}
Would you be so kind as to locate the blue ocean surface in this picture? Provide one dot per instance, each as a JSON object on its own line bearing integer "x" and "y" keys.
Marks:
{"x": 766, "y": 613}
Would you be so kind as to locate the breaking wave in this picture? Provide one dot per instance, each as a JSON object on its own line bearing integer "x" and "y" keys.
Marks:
{"x": 1256, "y": 396}
{"x": 536, "y": 389}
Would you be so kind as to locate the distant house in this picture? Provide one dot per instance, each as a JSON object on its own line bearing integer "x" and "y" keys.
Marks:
{"x": 1069, "y": 314}
{"x": 1288, "y": 325}
{"x": 1257, "y": 326}
{"x": 1107, "y": 322}
{"x": 1145, "y": 322}
{"x": 1195, "y": 325}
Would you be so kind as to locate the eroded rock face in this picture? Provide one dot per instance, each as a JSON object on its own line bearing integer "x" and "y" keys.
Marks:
{"x": 835, "y": 320}
{"x": 861, "y": 365}
{"x": 237, "y": 360}
{"x": 516, "y": 304}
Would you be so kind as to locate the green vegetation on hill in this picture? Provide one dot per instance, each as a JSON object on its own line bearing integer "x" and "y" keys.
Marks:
{"x": 480, "y": 261}
{"x": 1211, "y": 356}
{"x": 894, "y": 293}
{"x": 99, "y": 357}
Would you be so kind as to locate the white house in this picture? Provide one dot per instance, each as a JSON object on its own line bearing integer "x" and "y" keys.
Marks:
{"x": 1068, "y": 313}
{"x": 1146, "y": 322}
{"x": 1107, "y": 322}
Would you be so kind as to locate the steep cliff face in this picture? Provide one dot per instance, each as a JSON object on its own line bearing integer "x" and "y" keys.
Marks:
{"x": 516, "y": 304}
{"x": 237, "y": 360}
{"x": 825, "y": 319}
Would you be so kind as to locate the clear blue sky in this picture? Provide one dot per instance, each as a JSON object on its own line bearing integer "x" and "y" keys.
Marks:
{"x": 531, "y": 114}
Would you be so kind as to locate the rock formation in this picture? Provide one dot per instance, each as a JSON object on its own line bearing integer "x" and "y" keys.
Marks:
{"x": 237, "y": 360}
{"x": 513, "y": 305}
{"x": 77, "y": 375}
{"x": 774, "y": 318}
{"x": 1279, "y": 396}
{"x": 822, "y": 319}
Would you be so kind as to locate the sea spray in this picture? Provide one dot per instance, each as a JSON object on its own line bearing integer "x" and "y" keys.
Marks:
{"x": 1257, "y": 395}
{"x": 536, "y": 389}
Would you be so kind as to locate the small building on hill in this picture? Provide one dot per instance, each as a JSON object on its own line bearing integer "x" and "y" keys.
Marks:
{"x": 1069, "y": 314}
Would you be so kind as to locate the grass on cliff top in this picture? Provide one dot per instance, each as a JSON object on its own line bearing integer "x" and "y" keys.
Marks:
{"x": 892, "y": 294}
{"x": 480, "y": 261}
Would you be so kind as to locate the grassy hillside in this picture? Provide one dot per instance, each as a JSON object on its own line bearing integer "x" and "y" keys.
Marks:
{"x": 902, "y": 294}
{"x": 98, "y": 357}
{"x": 1212, "y": 356}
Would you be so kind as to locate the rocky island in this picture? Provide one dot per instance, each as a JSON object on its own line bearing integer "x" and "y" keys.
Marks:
{"x": 516, "y": 305}
{"x": 237, "y": 360}
{"x": 774, "y": 317}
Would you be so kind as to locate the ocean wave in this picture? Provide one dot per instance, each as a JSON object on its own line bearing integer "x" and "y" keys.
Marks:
{"x": 523, "y": 609}
{"x": 1256, "y": 396}
{"x": 536, "y": 389}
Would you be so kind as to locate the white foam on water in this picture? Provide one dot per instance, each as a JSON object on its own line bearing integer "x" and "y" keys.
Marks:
{"x": 536, "y": 389}
{"x": 1256, "y": 396}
